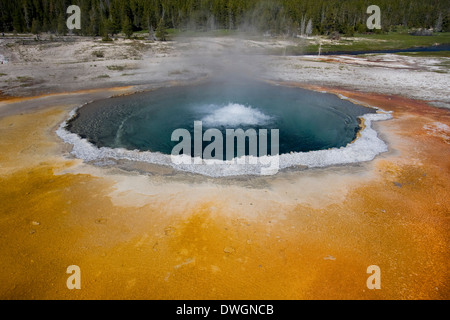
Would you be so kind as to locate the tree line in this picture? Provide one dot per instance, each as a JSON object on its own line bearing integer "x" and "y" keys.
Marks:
{"x": 289, "y": 17}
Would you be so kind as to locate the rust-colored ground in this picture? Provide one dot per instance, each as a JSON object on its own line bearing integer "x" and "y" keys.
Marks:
{"x": 299, "y": 235}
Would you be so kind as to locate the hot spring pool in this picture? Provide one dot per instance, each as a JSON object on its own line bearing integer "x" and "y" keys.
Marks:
{"x": 314, "y": 129}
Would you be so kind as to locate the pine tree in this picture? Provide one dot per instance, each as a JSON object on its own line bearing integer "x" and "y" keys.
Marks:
{"x": 108, "y": 29}
{"x": 94, "y": 23}
{"x": 161, "y": 32}
{"x": 35, "y": 28}
{"x": 18, "y": 22}
{"x": 62, "y": 26}
{"x": 115, "y": 18}
{"x": 127, "y": 28}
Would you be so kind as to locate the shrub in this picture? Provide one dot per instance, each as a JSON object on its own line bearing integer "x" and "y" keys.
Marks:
{"x": 116, "y": 68}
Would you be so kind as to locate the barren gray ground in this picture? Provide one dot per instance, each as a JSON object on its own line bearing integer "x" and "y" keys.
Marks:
{"x": 34, "y": 68}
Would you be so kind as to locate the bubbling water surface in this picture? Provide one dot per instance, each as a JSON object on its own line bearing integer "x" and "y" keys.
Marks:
{"x": 315, "y": 129}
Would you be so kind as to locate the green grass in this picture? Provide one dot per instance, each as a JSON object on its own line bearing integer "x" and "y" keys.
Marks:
{"x": 371, "y": 42}
{"x": 116, "y": 68}
{"x": 405, "y": 38}
{"x": 24, "y": 79}
{"x": 3, "y": 74}
{"x": 140, "y": 32}
{"x": 103, "y": 76}
{"x": 360, "y": 42}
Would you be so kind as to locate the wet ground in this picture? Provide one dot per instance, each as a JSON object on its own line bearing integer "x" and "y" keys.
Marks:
{"x": 302, "y": 234}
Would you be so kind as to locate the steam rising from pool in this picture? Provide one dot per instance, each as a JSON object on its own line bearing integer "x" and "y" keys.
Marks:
{"x": 234, "y": 115}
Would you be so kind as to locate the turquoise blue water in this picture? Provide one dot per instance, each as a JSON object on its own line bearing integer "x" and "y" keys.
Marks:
{"x": 306, "y": 120}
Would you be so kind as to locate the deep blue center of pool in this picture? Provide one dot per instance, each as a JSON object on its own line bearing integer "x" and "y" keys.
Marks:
{"x": 306, "y": 120}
